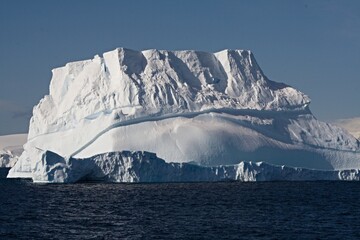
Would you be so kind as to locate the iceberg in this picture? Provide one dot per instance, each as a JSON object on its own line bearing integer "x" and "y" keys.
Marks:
{"x": 189, "y": 107}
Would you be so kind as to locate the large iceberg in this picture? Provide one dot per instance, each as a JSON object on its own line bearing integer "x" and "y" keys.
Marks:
{"x": 207, "y": 109}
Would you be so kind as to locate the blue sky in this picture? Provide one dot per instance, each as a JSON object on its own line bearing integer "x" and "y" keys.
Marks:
{"x": 311, "y": 45}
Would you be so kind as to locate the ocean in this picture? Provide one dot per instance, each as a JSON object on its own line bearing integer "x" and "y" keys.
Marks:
{"x": 220, "y": 210}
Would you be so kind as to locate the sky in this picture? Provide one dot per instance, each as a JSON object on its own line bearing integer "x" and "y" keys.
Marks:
{"x": 313, "y": 46}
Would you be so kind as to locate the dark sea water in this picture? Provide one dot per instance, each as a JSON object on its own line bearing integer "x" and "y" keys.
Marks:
{"x": 225, "y": 210}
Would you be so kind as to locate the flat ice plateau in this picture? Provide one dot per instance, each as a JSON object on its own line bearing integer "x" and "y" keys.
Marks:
{"x": 201, "y": 110}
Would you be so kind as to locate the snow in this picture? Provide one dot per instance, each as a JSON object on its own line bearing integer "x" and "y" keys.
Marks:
{"x": 147, "y": 167}
{"x": 11, "y": 147}
{"x": 186, "y": 106}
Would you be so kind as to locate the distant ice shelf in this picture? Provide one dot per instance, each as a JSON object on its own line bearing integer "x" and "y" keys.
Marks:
{"x": 11, "y": 147}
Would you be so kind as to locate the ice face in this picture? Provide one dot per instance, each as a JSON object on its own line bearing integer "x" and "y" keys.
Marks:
{"x": 147, "y": 167}
{"x": 185, "y": 106}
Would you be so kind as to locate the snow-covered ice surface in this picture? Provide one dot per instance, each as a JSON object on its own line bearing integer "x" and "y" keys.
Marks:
{"x": 11, "y": 147}
{"x": 186, "y": 106}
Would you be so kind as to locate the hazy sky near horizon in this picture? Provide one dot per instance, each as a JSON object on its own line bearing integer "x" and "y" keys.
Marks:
{"x": 313, "y": 46}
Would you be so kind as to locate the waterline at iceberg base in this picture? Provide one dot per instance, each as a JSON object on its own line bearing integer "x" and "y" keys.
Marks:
{"x": 140, "y": 166}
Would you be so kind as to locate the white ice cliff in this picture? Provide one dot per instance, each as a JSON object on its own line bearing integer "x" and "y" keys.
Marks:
{"x": 209, "y": 109}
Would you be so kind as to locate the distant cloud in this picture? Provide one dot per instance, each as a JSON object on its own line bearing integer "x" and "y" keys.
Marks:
{"x": 7, "y": 105}
{"x": 352, "y": 125}
{"x": 26, "y": 114}
{"x": 14, "y": 109}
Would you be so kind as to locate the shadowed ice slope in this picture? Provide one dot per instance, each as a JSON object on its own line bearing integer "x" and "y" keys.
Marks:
{"x": 186, "y": 106}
